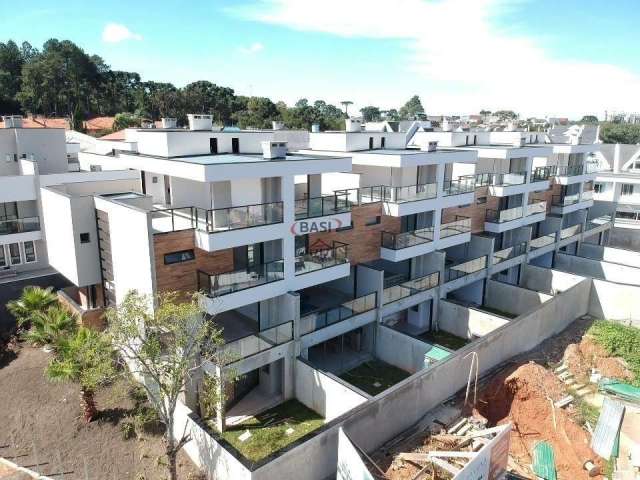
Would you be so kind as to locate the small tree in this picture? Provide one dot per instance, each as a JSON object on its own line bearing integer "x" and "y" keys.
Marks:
{"x": 32, "y": 300}
{"x": 50, "y": 327}
{"x": 85, "y": 358}
{"x": 166, "y": 347}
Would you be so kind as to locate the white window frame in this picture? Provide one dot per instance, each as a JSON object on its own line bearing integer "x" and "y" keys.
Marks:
{"x": 5, "y": 257}
{"x": 626, "y": 189}
{"x": 35, "y": 252}
{"x": 19, "y": 254}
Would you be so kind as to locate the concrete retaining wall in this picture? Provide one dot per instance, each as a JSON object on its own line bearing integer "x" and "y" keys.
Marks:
{"x": 609, "y": 254}
{"x": 512, "y": 299}
{"x": 546, "y": 280}
{"x": 466, "y": 322}
{"x": 613, "y": 301}
{"x": 324, "y": 394}
{"x": 400, "y": 350}
{"x": 587, "y": 267}
{"x": 627, "y": 238}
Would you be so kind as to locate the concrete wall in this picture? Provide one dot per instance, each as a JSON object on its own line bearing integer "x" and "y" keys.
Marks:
{"x": 609, "y": 254}
{"x": 546, "y": 280}
{"x": 511, "y": 299}
{"x": 613, "y": 301}
{"x": 624, "y": 238}
{"x": 323, "y": 393}
{"x": 400, "y": 350}
{"x": 466, "y": 322}
{"x": 587, "y": 267}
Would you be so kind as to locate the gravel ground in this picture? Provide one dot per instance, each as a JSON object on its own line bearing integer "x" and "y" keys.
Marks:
{"x": 37, "y": 412}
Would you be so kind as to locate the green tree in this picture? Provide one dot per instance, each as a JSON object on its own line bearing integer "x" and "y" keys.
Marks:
{"x": 126, "y": 120}
{"x": 259, "y": 112}
{"x": 11, "y": 63}
{"x": 32, "y": 300}
{"x": 85, "y": 358}
{"x": 165, "y": 346}
{"x": 626, "y": 133}
{"x": 206, "y": 97}
{"x": 589, "y": 119}
{"x": 49, "y": 327}
{"x": 506, "y": 115}
{"x": 412, "y": 110}
{"x": 392, "y": 114}
{"x": 370, "y": 113}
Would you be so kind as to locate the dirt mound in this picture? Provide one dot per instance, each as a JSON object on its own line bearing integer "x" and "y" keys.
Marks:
{"x": 575, "y": 361}
{"x": 582, "y": 357}
{"x": 525, "y": 397}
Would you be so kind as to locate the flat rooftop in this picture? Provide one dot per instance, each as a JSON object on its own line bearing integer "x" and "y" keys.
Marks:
{"x": 230, "y": 158}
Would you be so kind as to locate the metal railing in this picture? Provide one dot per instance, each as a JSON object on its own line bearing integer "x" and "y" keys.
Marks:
{"x": 500, "y": 179}
{"x": 463, "y": 184}
{"x": 542, "y": 241}
{"x": 321, "y": 258}
{"x": 394, "y": 293}
{"x": 538, "y": 206}
{"x": 501, "y": 216}
{"x": 586, "y": 195}
{"x": 569, "y": 170}
{"x": 570, "y": 231}
{"x": 397, "y": 241}
{"x": 321, "y": 206}
{"x": 386, "y": 193}
{"x": 458, "y": 226}
{"x": 509, "y": 252}
{"x": 218, "y": 284}
{"x": 324, "y": 318}
{"x": 592, "y": 167}
{"x": 19, "y": 225}
{"x": 540, "y": 174}
{"x": 466, "y": 268}
{"x": 599, "y": 221}
{"x": 257, "y": 342}
{"x": 234, "y": 218}
{"x": 565, "y": 200}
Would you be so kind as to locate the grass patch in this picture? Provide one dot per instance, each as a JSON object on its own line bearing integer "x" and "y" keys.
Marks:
{"x": 268, "y": 429}
{"x": 619, "y": 341}
{"x": 497, "y": 311}
{"x": 445, "y": 339}
{"x": 374, "y": 376}
{"x": 586, "y": 412}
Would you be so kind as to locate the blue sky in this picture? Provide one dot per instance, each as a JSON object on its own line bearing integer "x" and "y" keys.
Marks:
{"x": 537, "y": 57}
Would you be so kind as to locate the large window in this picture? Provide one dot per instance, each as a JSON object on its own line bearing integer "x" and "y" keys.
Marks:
{"x": 14, "y": 254}
{"x": 29, "y": 252}
{"x": 4, "y": 261}
{"x": 598, "y": 187}
{"x": 627, "y": 189}
{"x": 178, "y": 257}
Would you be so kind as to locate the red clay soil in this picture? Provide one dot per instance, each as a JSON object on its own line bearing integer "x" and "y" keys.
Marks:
{"x": 581, "y": 357}
{"x": 524, "y": 397}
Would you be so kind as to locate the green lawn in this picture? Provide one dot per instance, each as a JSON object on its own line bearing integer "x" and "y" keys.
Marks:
{"x": 374, "y": 376}
{"x": 445, "y": 339}
{"x": 268, "y": 429}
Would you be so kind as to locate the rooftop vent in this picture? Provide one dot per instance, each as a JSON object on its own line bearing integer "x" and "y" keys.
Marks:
{"x": 352, "y": 125}
{"x": 272, "y": 149}
{"x": 277, "y": 125}
{"x": 429, "y": 147}
{"x": 200, "y": 121}
{"x": 168, "y": 122}
{"x": 315, "y": 128}
{"x": 147, "y": 124}
{"x": 12, "y": 121}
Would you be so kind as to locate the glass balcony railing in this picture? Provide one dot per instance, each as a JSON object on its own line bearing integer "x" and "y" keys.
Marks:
{"x": 542, "y": 241}
{"x": 234, "y": 218}
{"x": 406, "y": 289}
{"x": 19, "y": 225}
{"x": 397, "y": 241}
{"x": 570, "y": 231}
{"x": 569, "y": 170}
{"x": 321, "y": 206}
{"x": 565, "y": 200}
{"x": 509, "y": 252}
{"x": 466, "y": 268}
{"x": 257, "y": 342}
{"x": 458, "y": 226}
{"x": 322, "y": 258}
{"x": 385, "y": 193}
{"x": 500, "y": 179}
{"x": 540, "y": 174}
{"x": 536, "y": 207}
{"x": 324, "y": 318}
{"x": 586, "y": 196}
{"x": 218, "y": 284}
{"x": 463, "y": 184}
{"x": 501, "y": 216}
{"x": 598, "y": 221}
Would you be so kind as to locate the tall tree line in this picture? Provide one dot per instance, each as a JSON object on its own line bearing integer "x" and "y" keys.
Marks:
{"x": 62, "y": 80}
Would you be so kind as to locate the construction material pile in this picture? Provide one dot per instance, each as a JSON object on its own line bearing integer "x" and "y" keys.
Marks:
{"x": 528, "y": 397}
{"x": 584, "y": 357}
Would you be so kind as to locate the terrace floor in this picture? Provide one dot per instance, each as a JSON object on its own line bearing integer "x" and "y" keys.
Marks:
{"x": 273, "y": 429}
{"x": 235, "y": 325}
{"x": 318, "y": 298}
{"x": 374, "y": 376}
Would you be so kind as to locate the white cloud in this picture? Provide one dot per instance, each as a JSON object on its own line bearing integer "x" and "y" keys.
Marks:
{"x": 251, "y": 49}
{"x": 116, "y": 32}
{"x": 462, "y": 58}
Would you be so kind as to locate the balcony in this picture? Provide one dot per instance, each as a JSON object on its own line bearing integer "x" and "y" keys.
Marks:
{"x": 322, "y": 265}
{"x": 255, "y": 343}
{"x": 598, "y": 224}
{"x": 503, "y": 184}
{"x": 571, "y": 231}
{"x": 459, "y": 186}
{"x": 396, "y": 247}
{"x": 219, "y": 284}
{"x": 536, "y": 207}
{"x": 508, "y": 253}
{"x": 409, "y": 288}
{"x": 586, "y": 196}
{"x": 454, "y": 233}
{"x": 234, "y": 218}
{"x": 19, "y": 225}
{"x": 498, "y": 221}
{"x": 330, "y": 316}
{"x": 541, "y": 174}
{"x": 466, "y": 268}
{"x": 569, "y": 174}
{"x": 562, "y": 204}
{"x": 405, "y": 200}
{"x": 543, "y": 241}
{"x": 322, "y": 206}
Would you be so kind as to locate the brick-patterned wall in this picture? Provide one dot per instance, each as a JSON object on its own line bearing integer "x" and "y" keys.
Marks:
{"x": 364, "y": 241}
{"x": 477, "y": 212}
{"x": 182, "y": 276}
{"x": 546, "y": 195}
